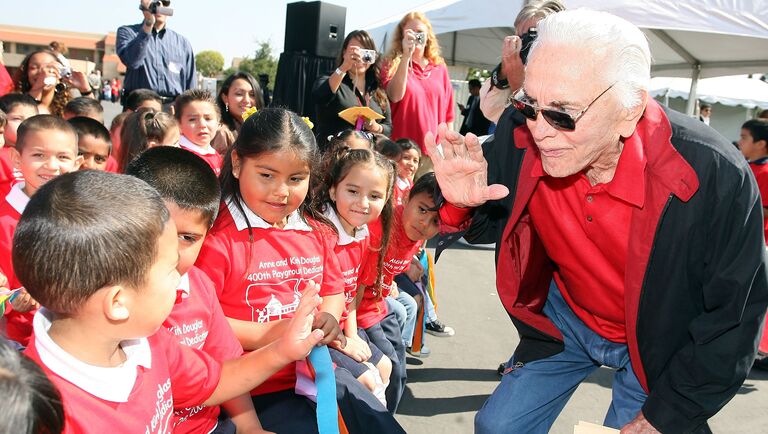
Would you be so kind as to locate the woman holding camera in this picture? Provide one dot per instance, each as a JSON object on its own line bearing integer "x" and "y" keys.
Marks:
{"x": 354, "y": 83}
{"x": 417, "y": 82}
{"x": 42, "y": 76}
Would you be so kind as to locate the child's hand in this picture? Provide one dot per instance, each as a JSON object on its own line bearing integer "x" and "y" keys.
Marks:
{"x": 415, "y": 271}
{"x": 357, "y": 349}
{"x": 300, "y": 337}
{"x": 3, "y": 282}
{"x": 24, "y": 302}
{"x": 394, "y": 292}
{"x": 330, "y": 327}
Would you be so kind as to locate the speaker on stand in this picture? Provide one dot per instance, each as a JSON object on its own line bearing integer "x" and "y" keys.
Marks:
{"x": 314, "y": 34}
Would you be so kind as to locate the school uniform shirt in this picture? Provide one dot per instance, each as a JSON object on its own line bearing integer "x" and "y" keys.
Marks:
{"x": 402, "y": 188}
{"x": 760, "y": 170}
{"x": 18, "y": 326}
{"x": 206, "y": 153}
{"x": 197, "y": 321}
{"x": 373, "y": 307}
{"x": 259, "y": 276}
{"x": 9, "y": 176}
{"x": 349, "y": 251}
{"x": 135, "y": 397}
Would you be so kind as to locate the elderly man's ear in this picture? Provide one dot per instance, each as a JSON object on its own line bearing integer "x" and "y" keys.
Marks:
{"x": 632, "y": 115}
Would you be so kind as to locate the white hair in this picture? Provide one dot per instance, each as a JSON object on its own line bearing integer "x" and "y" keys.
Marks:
{"x": 619, "y": 45}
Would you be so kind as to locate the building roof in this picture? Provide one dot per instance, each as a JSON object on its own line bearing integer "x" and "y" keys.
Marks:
{"x": 38, "y": 36}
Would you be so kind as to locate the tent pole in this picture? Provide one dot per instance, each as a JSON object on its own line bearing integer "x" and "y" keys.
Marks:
{"x": 453, "y": 50}
{"x": 692, "y": 93}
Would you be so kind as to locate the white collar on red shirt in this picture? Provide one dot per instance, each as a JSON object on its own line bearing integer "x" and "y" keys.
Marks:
{"x": 403, "y": 183}
{"x": 344, "y": 238}
{"x": 197, "y": 149}
{"x": 17, "y": 198}
{"x": 110, "y": 384}
{"x": 184, "y": 285}
{"x": 295, "y": 221}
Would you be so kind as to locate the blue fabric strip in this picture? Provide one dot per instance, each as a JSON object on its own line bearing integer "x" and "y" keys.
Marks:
{"x": 327, "y": 409}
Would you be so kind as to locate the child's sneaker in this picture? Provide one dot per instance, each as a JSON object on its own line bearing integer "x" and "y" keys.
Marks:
{"x": 437, "y": 328}
{"x": 424, "y": 353}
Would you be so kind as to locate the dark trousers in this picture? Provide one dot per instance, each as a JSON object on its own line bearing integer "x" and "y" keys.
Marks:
{"x": 286, "y": 412}
{"x": 386, "y": 336}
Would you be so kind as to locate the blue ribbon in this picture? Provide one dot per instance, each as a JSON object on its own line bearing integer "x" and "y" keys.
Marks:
{"x": 325, "y": 380}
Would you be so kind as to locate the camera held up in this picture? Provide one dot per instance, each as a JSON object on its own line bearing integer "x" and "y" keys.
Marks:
{"x": 527, "y": 42}
{"x": 421, "y": 38}
{"x": 368, "y": 56}
{"x": 159, "y": 7}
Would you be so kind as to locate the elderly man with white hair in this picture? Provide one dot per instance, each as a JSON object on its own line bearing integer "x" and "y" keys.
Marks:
{"x": 628, "y": 236}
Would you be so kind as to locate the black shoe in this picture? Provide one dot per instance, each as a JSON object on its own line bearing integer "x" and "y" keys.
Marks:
{"x": 437, "y": 328}
{"x": 761, "y": 361}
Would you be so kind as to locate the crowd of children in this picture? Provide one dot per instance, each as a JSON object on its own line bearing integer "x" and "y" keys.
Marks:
{"x": 183, "y": 291}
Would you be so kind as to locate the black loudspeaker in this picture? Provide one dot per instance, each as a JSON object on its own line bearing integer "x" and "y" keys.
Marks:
{"x": 314, "y": 28}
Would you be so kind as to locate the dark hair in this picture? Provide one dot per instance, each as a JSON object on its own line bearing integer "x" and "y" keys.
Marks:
{"x": 408, "y": 144}
{"x": 272, "y": 130}
{"x": 3, "y": 119}
{"x": 474, "y": 83}
{"x": 389, "y": 148}
{"x": 118, "y": 121}
{"x": 427, "y": 183}
{"x": 340, "y": 139}
{"x": 12, "y": 100}
{"x": 372, "y": 75}
{"x": 338, "y": 165}
{"x": 758, "y": 129}
{"x": 193, "y": 95}
{"x": 84, "y": 106}
{"x": 763, "y": 114}
{"x": 226, "y": 117}
{"x": 91, "y": 127}
{"x": 43, "y": 123}
{"x": 84, "y": 231}
{"x": 21, "y": 78}
{"x": 138, "y": 130}
{"x": 31, "y": 403}
{"x": 138, "y": 96}
{"x": 181, "y": 177}
{"x": 705, "y": 106}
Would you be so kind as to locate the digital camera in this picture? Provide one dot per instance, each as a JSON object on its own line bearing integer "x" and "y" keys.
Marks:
{"x": 527, "y": 41}
{"x": 421, "y": 38}
{"x": 368, "y": 56}
{"x": 158, "y": 7}
{"x": 65, "y": 71}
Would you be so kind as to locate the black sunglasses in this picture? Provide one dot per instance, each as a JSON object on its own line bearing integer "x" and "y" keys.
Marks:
{"x": 559, "y": 119}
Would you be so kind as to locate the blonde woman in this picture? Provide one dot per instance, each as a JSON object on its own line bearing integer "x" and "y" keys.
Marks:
{"x": 417, "y": 83}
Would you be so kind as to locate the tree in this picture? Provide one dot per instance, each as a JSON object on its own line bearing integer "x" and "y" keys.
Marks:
{"x": 261, "y": 63}
{"x": 209, "y": 62}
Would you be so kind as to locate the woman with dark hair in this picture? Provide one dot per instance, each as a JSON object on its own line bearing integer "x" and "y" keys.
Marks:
{"x": 239, "y": 92}
{"x": 354, "y": 83}
{"x": 42, "y": 76}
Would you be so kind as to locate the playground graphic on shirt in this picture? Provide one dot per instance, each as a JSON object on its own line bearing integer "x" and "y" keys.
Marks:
{"x": 274, "y": 309}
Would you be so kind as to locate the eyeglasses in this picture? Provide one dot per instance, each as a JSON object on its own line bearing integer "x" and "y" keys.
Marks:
{"x": 559, "y": 119}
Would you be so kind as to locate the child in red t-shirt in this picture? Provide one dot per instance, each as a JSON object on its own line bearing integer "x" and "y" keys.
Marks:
{"x": 198, "y": 117}
{"x": 191, "y": 193}
{"x": 266, "y": 242}
{"x": 93, "y": 143}
{"x": 17, "y": 107}
{"x": 414, "y": 222}
{"x": 46, "y": 148}
{"x": 356, "y": 190}
{"x": 753, "y": 143}
{"x": 100, "y": 251}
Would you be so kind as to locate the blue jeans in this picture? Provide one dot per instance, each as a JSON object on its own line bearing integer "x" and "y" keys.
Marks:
{"x": 531, "y": 396}
{"x": 405, "y": 309}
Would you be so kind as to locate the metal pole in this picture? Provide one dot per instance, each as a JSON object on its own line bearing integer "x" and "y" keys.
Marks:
{"x": 692, "y": 92}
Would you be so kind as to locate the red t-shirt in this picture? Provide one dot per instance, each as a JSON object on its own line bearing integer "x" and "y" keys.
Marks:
{"x": 261, "y": 280}
{"x": 402, "y": 188}
{"x": 208, "y": 154}
{"x": 373, "y": 307}
{"x": 585, "y": 231}
{"x": 138, "y": 397}
{"x": 760, "y": 169}
{"x": 8, "y": 175}
{"x": 427, "y": 102}
{"x": 197, "y": 321}
{"x": 18, "y": 325}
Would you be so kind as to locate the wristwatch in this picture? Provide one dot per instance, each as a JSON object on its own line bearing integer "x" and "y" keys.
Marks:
{"x": 496, "y": 82}
{"x": 339, "y": 72}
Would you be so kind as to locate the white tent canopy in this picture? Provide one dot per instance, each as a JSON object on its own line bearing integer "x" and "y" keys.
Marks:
{"x": 731, "y": 91}
{"x": 688, "y": 38}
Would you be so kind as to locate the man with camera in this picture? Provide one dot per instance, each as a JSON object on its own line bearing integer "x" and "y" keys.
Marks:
{"x": 156, "y": 57}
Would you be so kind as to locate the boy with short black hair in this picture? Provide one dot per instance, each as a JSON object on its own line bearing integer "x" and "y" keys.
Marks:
{"x": 191, "y": 193}
{"x": 100, "y": 337}
{"x": 143, "y": 98}
{"x": 46, "y": 147}
{"x": 84, "y": 107}
{"x": 93, "y": 142}
{"x": 17, "y": 108}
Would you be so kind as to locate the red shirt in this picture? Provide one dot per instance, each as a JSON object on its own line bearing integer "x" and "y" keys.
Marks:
{"x": 8, "y": 175}
{"x": 427, "y": 102}
{"x": 402, "y": 188}
{"x": 137, "y": 397}
{"x": 197, "y": 321}
{"x": 262, "y": 280}
{"x": 208, "y": 154}
{"x": 760, "y": 169}
{"x": 588, "y": 241}
{"x": 373, "y": 307}
{"x": 349, "y": 251}
{"x": 18, "y": 325}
